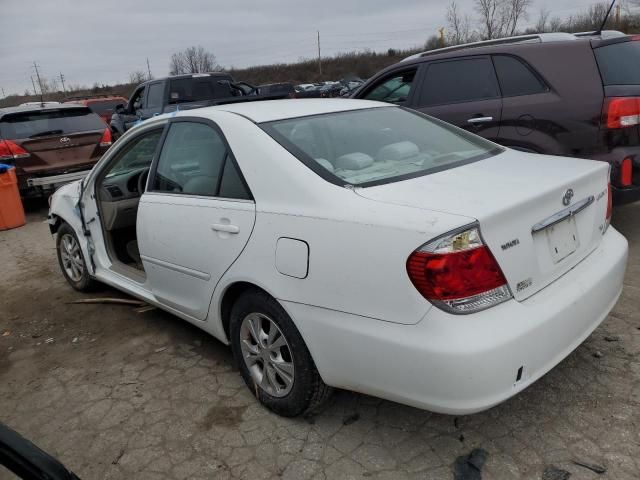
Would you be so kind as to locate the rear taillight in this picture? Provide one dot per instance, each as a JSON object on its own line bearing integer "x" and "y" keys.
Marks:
{"x": 622, "y": 112}
{"x": 458, "y": 273}
{"x": 106, "y": 139}
{"x": 11, "y": 151}
{"x": 626, "y": 172}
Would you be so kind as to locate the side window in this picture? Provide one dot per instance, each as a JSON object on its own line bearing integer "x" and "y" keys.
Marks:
{"x": 393, "y": 89}
{"x": 459, "y": 81}
{"x": 516, "y": 78}
{"x": 195, "y": 161}
{"x": 137, "y": 154}
{"x": 155, "y": 95}
{"x": 138, "y": 99}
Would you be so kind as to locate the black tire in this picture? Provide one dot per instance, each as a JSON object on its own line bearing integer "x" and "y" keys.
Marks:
{"x": 84, "y": 282}
{"x": 308, "y": 392}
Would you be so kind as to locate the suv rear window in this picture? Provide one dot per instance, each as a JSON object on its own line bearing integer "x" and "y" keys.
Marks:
{"x": 619, "y": 63}
{"x": 196, "y": 89}
{"x": 377, "y": 145}
{"x": 516, "y": 78}
{"x": 49, "y": 122}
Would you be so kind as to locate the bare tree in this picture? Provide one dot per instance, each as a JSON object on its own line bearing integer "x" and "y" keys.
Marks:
{"x": 542, "y": 24}
{"x": 459, "y": 25}
{"x": 137, "y": 77}
{"x": 500, "y": 18}
{"x": 514, "y": 11}
{"x": 193, "y": 60}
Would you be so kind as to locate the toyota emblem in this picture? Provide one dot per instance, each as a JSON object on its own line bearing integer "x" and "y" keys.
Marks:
{"x": 65, "y": 140}
{"x": 568, "y": 195}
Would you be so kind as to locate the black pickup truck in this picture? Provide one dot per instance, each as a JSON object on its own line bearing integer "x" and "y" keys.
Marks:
{"x": 176, "y": 93}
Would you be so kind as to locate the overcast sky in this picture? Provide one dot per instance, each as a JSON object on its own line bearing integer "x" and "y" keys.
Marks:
{"x": 103, "y": 40}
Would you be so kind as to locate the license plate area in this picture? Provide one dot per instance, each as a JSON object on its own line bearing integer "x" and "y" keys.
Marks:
{"x": 562, "y": 239}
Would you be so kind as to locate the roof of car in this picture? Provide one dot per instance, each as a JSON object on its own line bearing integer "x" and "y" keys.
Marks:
{"x": 38, "y": 108}
{"x": 270, "y": 110}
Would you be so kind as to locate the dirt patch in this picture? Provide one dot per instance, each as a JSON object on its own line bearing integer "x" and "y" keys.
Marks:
{"x": 223, "y": 417}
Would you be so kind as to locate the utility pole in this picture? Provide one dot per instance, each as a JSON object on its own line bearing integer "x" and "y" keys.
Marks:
{"x": 618, "y": 15}
{"x": 148, "y": 68}
{"x": 3, "y": 95}
{"x": 64, "y": 90}
{"x": 35, "y": 65}
{"x": 35, "y": 92}
{"x": 319, "y": 58}
{"x": 441, "y": 33}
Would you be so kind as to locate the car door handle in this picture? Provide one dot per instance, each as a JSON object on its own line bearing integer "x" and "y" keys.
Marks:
{"x": 225, "y": 227}
{"x": 477, "y": 120}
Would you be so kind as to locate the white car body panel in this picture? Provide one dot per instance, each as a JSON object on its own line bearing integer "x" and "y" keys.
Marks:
{"x": 365, "y": 324}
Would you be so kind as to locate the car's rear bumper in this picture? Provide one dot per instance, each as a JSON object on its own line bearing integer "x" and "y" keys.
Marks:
{"x": 461, "y": 364}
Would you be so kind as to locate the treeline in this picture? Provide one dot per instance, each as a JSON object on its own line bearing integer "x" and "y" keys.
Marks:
{"x": 488, "y": 19}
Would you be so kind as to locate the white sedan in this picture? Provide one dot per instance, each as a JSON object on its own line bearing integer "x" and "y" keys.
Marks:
{"x": 351, "y": 244}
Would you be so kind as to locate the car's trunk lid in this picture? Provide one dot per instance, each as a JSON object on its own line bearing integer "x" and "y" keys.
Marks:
{"x": 509, "y": 194}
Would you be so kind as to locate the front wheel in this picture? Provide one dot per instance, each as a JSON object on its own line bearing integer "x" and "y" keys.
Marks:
{"x": 71, "y": 259}
{"x": 273, "y": 358}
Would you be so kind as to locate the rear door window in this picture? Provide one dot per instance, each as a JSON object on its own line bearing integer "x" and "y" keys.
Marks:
{"x": 394, "y": 89}
{"x": 619, "y": 63}
{"x": 197, "y": 89}
{"x": 516, "y": 78}
{"x": 49, "y": 122}
{"x": 105, "y": 106}
{"x": 155, "y": 95}
{"x": 456, "y": 81}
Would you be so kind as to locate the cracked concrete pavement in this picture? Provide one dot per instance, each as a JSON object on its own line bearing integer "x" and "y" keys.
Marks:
{"x": 116, "y": 394}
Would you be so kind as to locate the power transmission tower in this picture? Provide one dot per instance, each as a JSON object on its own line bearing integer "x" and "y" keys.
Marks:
{"x": 35, "y": 92}
{"x": 148, "y": 68}
{"x": 319, "y": 58}
{"x": 64, "y": 90}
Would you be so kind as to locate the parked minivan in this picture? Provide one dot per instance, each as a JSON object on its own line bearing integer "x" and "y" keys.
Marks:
{"x": 553, "y": 93}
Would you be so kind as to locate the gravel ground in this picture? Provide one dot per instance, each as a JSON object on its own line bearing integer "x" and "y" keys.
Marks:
{"x": 118, "y": 394}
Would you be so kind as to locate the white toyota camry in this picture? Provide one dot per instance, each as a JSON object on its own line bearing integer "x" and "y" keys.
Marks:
{"x": 351, "y": 244}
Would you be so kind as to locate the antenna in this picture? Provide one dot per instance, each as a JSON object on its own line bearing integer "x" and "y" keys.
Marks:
{"x": 606, "y": 17}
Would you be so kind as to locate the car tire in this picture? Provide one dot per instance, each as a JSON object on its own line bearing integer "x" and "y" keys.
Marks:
{"x": 296, "y": 390}
{"x": 71, "y": 260}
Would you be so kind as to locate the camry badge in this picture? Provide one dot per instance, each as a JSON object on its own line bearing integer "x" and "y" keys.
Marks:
{"x": 568, "y": 195}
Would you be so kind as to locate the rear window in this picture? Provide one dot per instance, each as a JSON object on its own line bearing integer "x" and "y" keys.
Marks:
{"x": 103, "y": 107}
{"x": 456, "y": 81}
{"x": 377, "y": 145}
{"x": 49, "y": 122}
{"x": 619, "y": 63}
{"x": 197, "y": 89}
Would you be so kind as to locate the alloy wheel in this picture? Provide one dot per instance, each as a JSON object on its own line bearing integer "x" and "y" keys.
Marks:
{"x": 267, "y": 354}
{"x": 71, "y": 257}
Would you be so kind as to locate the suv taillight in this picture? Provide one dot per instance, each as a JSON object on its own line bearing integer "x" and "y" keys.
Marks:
{"x": 621, "y": 112}
{"x": 11, "y": 151}
{"x": 458, "y": 273}
{"x": 106, "y": 139}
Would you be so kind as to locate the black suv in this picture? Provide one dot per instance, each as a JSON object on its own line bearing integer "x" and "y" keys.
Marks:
{"x": 175, "y": 93}
{"x": 555, "y": 93}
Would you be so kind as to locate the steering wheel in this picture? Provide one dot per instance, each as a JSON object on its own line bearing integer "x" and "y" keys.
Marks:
{"x": 142, "y": 181}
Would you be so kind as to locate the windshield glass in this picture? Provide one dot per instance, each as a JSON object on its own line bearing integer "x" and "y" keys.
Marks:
{"x": 49, "y": 122}
{"x": 377, "y": 145}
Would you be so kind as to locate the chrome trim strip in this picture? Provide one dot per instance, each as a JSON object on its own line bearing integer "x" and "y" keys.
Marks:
{"x": 177, "y": 268}
{"x": 57, "y": 179}
{"x": 563, "y": 214}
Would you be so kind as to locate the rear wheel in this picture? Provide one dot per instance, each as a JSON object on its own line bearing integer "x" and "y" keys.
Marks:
{"x": 71, "y": 259}
{"x": 273, "y": 358}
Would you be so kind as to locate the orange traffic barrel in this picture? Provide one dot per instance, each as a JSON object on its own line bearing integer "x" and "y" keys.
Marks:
{"x": 11, "y": 210}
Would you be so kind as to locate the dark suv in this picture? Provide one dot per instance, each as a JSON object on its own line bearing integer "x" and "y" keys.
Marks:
{"x": 556, "y": 93}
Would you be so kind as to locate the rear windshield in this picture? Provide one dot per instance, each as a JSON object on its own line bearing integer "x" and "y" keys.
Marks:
{"x": 103, "y": 107}
{"x": 377, "y": 145}
{"x": 619, "y": 63}
{"x": 198, "y": 89}
{"x": 49, "y": 122}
